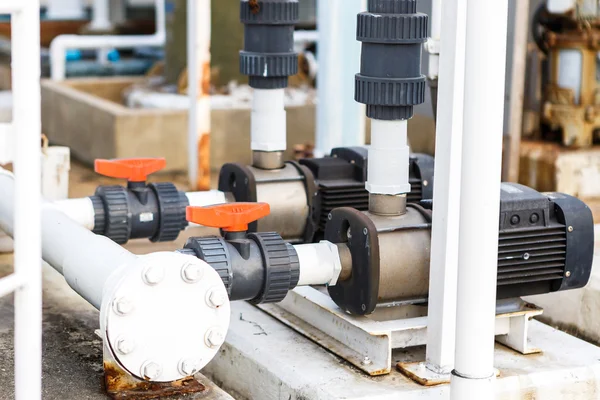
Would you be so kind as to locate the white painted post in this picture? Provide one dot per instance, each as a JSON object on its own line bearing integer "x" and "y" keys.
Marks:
{"x": 441, "y": 319}
{"x": 65, "y": 9}
{"x": 27, "y": 278}
{"x": 198, "y": 46}
{"x": 485, "y": 64}
{"x": 433, "y": 44}
{"x": 340, "y": 120}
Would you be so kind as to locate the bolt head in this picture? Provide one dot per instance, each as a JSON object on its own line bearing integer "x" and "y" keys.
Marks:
{"x": 123, "y": 306}
{"x": 151, "y": 370}
{"x": 366, "y": 361}
{"x": 365, "y": 231}
{"x": 189, "y": 366}
{"x": 216, "y": 298}
{"x": 215, "y": 337}
{"x": 125, "y": 346}
{"x": 570, "y": 229}
{"x": 153, "y": 275}
{"x": 568, "y": 274}
{"x": 192, "y": 273}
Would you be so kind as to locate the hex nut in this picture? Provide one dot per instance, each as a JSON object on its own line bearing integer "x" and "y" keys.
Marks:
{"x": 123, "y": 306}
{"x": 189, "y": 367}
{"x": 125, "y": 346}
{"x": 151, "y": 370}
{"x": 216, "y": 298}
{"x": 214, "y": 337}
{"x": 153, "y": 275}
{"x": 192, "y": 273}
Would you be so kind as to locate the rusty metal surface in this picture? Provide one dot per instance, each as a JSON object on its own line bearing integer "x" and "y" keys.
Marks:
{"x": 121, "y": 385}
{"x": 576, "y": 120}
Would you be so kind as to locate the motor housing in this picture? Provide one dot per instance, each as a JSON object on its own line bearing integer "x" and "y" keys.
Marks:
{"x": 302, "y": 194}
{"x": 546, "y": 244}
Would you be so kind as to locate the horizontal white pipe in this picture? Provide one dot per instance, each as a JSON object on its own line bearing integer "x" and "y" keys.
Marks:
{"x": 82, "y": 210}
{"x": 388, "y": 158}
{"x": 86, "y": 260}
{"x": 61, "y": 43}
{"x": 268, "y": 122}
{"x": 65, "y": 9}
{"x": 10, "y": 6}
{"x": 10, "y": 284}
{"x": 319, "y": 263}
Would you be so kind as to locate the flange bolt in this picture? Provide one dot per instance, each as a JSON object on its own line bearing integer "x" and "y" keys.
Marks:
{"x": 151, "y": 370}
{"x": 214, "y": 337}
{"x": 192, "y": 273}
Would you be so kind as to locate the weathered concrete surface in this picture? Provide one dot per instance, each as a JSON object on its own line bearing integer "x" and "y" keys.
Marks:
{"x": 263, "y": 359}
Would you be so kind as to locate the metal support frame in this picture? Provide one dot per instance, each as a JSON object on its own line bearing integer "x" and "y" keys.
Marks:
{"x": 198, "y": 66}
{"x": 367, "y": 342}
{"x": 26, "y": 281}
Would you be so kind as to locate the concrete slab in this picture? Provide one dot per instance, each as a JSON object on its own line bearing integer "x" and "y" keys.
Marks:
{"x": 263, "y": 359}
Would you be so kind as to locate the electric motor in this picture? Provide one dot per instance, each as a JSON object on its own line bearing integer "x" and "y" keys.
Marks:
{"x": 546, "y": 244}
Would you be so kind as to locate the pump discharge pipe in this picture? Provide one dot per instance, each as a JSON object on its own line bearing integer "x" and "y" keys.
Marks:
{"x": 144, "y": 301}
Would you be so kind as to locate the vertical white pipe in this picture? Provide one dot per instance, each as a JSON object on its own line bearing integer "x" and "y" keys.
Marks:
{"x": 56, "y": 163}
{"x": 100, "y": 16}
{"x": 340, "y": 120}
{"x": 388, "y": 158}
{"x": 27, "y": 198}
{"x": 65, "y": 9}
{"x": 441, "y": 318}
{"x": 198, "y": 47}
{"x": 433, "y": 45}
{"x": 268, "y": 122}
{"x": 485, "y": 64}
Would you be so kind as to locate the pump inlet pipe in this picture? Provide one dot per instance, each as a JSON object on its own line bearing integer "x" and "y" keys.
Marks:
{"x": 390, "y": 83}
{"x": 153, "y": 308}
{"x": 268, "y": 59}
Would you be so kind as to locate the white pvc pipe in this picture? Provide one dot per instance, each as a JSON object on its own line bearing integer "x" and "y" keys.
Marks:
{"x": 319, "y": 263}
{"x": 388, "y": 158}
{"x": 199, "y": 116}
{"x": 441, "y": 316}
{"x": 433, "y": 44}
{"x": 82, "y": 210}
{"x": 485, "y": 64}
{"x": 79, "y": 210}
{"x": 65, "y": 9}
{"x": 268, "y": 122}
{"x": 56, "y": 164}
{"x": 340, "y": 120}
{"x": 100, "y": 15}
{"x": 85, "y": 259}
{"x": 61, "y": 43}
{"x": 25, "y": 25}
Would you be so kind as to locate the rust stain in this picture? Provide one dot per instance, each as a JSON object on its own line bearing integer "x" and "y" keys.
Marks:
{"x": 121, "y": 385}
{"x": 203, "y": 182}
{"x": 205, "y": 81}
{"x": 254, "y": 6}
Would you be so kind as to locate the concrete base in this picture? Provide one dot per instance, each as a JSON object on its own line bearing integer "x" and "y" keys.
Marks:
{"x": 264, "y": 359}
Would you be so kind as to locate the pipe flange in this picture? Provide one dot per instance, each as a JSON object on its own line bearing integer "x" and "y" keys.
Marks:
{"x": 99, "y": 217}
{"x": 171, "y": 206}
{"x": 269, "y": 12}
{"x": 116, "y": 210}
{"x": 213, "y": 250}
{"x": 278, "y": 266}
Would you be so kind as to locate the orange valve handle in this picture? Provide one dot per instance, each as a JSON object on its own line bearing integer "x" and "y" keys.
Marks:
{"x": 132, "y": 169}
{"x": 233, "y": 217}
